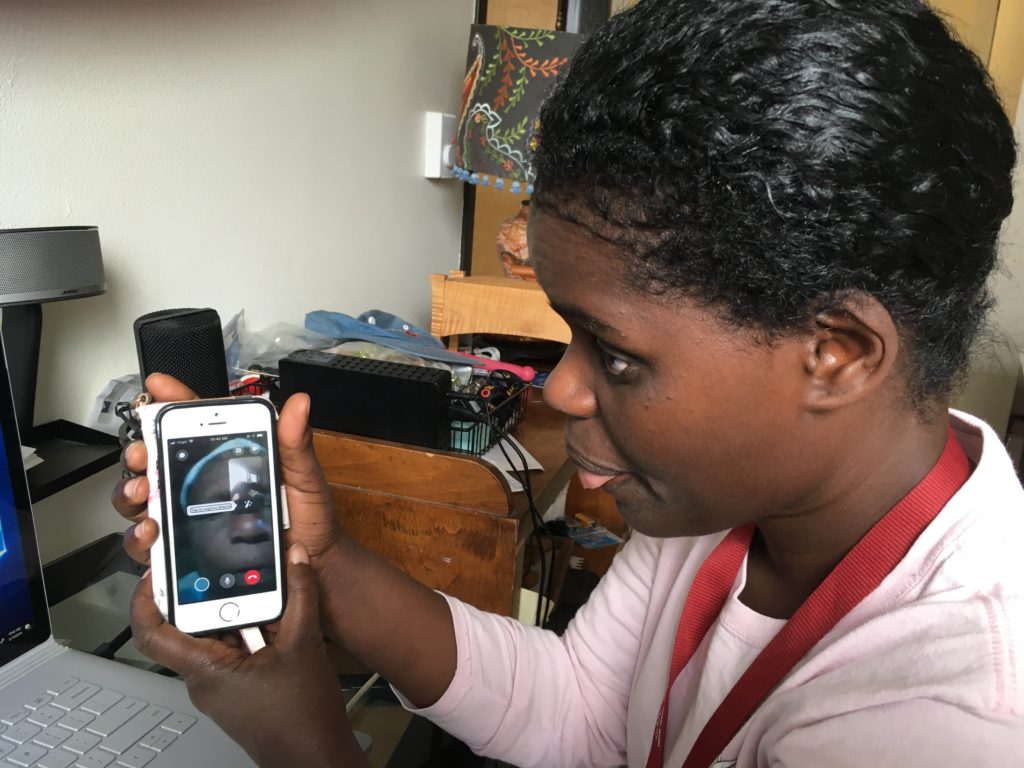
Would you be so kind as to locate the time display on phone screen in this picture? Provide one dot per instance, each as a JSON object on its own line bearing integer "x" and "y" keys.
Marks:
{"x": 222, "y": 506}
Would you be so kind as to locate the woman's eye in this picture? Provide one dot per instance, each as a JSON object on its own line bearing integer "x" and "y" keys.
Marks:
{"x": 615, "y": 365}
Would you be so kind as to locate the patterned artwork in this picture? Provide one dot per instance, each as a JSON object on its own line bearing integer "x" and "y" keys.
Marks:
{"x": 508, "y": 74}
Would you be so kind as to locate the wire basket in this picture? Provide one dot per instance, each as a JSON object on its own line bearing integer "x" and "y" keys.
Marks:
{"x": 254, "y": 384}
{"x": 476, "y": 424}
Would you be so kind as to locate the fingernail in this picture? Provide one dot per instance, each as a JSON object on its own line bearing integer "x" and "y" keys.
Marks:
{"x": 297, "y": 555}
{"x": 131, "y": 488}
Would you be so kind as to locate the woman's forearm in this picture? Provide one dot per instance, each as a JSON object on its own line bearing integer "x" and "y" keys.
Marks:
{"x": 388, "y": 620}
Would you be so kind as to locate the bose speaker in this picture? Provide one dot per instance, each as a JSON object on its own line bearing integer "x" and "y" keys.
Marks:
{"x": 40, "y": 265}
{"x": 187, "y": 344}
{"x": 50, "y": 264}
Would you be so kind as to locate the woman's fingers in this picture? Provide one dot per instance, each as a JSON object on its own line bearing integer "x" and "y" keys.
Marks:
{"x": 131, "y": 494}
{"x": 134, "y": 456}
{"x": 139, "y": 539}
{"x": 169, "y": 646}
{"x": 166, "y": 389}
{"x": 129, "y": 497}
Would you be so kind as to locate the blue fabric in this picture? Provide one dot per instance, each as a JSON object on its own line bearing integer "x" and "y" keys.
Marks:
{"x": 387, "y": 330}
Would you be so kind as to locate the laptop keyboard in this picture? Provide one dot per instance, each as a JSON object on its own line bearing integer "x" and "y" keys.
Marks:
{"x": 77, "y": 724}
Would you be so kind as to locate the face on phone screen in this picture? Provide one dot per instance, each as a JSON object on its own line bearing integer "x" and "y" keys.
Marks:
{"x": 222, "y": 506}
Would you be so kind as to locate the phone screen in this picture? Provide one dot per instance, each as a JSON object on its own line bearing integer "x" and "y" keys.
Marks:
{"x": 222, "y": 501}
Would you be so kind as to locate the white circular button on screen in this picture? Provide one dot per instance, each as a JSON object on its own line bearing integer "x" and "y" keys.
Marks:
{"x": 229, "y": 611}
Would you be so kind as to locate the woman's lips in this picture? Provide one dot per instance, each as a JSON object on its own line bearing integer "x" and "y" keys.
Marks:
{"x": 592, "y": 475}
{"x": 592, "y": 480}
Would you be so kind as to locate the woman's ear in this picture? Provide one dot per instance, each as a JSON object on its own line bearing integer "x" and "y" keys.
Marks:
{"x": 852, "y": 350}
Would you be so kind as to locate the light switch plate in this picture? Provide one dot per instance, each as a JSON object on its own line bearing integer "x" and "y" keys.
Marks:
{"x": 438, "y": 131}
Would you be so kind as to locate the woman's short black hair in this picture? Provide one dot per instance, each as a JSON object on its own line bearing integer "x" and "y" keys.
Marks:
{"x": 769, "y": 157}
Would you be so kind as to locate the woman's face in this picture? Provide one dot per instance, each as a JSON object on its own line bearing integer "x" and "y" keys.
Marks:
{"x": 690, "y": 424}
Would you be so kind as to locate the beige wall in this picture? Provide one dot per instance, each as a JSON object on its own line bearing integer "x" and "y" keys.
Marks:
{"x": 994, "y": 29}
{"x": 975, "y": 20}
{"x": 1007, "y": 61}
{"x": 235, "y": 154}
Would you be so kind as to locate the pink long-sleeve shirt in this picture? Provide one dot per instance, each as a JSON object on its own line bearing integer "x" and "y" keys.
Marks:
{"x": 926, "y": 671}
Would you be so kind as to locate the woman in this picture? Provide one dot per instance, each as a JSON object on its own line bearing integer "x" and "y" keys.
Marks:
{"x": 769, "y": 224}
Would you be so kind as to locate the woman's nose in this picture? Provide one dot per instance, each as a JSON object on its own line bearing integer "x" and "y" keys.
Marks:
{"x": 568, "y": 387}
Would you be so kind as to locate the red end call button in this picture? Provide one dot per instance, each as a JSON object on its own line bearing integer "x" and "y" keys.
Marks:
{"x": 252, "y": 578}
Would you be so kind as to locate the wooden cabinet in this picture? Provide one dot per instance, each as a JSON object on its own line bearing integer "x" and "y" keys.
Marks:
{"x": 449, "y": 520}
{"x": 492, "y": 305}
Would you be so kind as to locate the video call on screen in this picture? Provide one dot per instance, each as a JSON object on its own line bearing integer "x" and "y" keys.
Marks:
{"x": 221, "y": 501}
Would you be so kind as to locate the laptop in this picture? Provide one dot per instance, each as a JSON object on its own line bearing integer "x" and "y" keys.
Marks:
{"x": 61, "y": 708}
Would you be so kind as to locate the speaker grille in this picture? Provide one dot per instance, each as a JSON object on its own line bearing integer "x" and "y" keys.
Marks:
{"x": 187, "y": 344}
{"x": 386, "y": 368}
{"x": 375, "y": 398}
{"x": 50, "y": 264}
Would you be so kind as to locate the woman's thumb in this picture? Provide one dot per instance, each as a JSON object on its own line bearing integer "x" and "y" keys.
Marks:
{"x": 301, "y": 621}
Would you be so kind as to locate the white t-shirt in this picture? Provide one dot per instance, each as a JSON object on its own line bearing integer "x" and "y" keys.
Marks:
{"x": 927, "y": 671}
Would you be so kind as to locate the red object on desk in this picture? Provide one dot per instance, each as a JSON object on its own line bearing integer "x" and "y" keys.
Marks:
{"x": 524, "y": 372}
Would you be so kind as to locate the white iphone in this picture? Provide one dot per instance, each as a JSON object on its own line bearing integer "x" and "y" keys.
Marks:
{"x": 221, "y": 525}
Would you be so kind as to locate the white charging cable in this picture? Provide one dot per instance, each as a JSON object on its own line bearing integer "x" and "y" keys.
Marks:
{"x": 360, "y": 693}
{"x": 252, "y": 639}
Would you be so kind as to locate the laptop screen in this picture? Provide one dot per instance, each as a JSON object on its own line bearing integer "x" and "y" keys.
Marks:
{"x": 24, "y": 621}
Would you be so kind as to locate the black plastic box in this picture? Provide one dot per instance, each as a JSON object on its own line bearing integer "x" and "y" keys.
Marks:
{"x": 372, "y": 398}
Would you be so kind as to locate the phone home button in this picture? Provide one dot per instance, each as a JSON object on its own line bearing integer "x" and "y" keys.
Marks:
{"x": 229, "y": 611}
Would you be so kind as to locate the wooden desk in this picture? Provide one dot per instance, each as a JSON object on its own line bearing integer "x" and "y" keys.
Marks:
{"x": 447, "y": 519}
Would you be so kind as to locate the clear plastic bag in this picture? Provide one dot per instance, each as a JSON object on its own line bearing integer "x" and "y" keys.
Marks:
{"x": 262, "y": 350}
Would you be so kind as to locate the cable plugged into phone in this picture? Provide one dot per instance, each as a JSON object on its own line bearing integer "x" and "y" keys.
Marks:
{"x": 252, "y": 639}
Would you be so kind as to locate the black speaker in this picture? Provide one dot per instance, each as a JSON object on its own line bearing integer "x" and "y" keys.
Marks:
{"x": 375, "y": 398}
{"x": 187, "y": 344}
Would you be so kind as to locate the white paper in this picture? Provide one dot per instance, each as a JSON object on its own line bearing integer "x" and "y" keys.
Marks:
{"x": 104, "y": 410}
{"x": 30, "y": 458}
{"x": 495, "y": 457}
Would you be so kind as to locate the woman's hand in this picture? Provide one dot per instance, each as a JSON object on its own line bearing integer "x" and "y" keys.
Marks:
{"x": 310, "y": 504}
{"x": 367, "y": 604}
{"x": 283, "y": 704}
{"x": 130, "y": 495}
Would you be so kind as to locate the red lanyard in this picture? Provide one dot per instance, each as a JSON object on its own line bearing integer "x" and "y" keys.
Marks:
{"x": 858, "y": 574}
